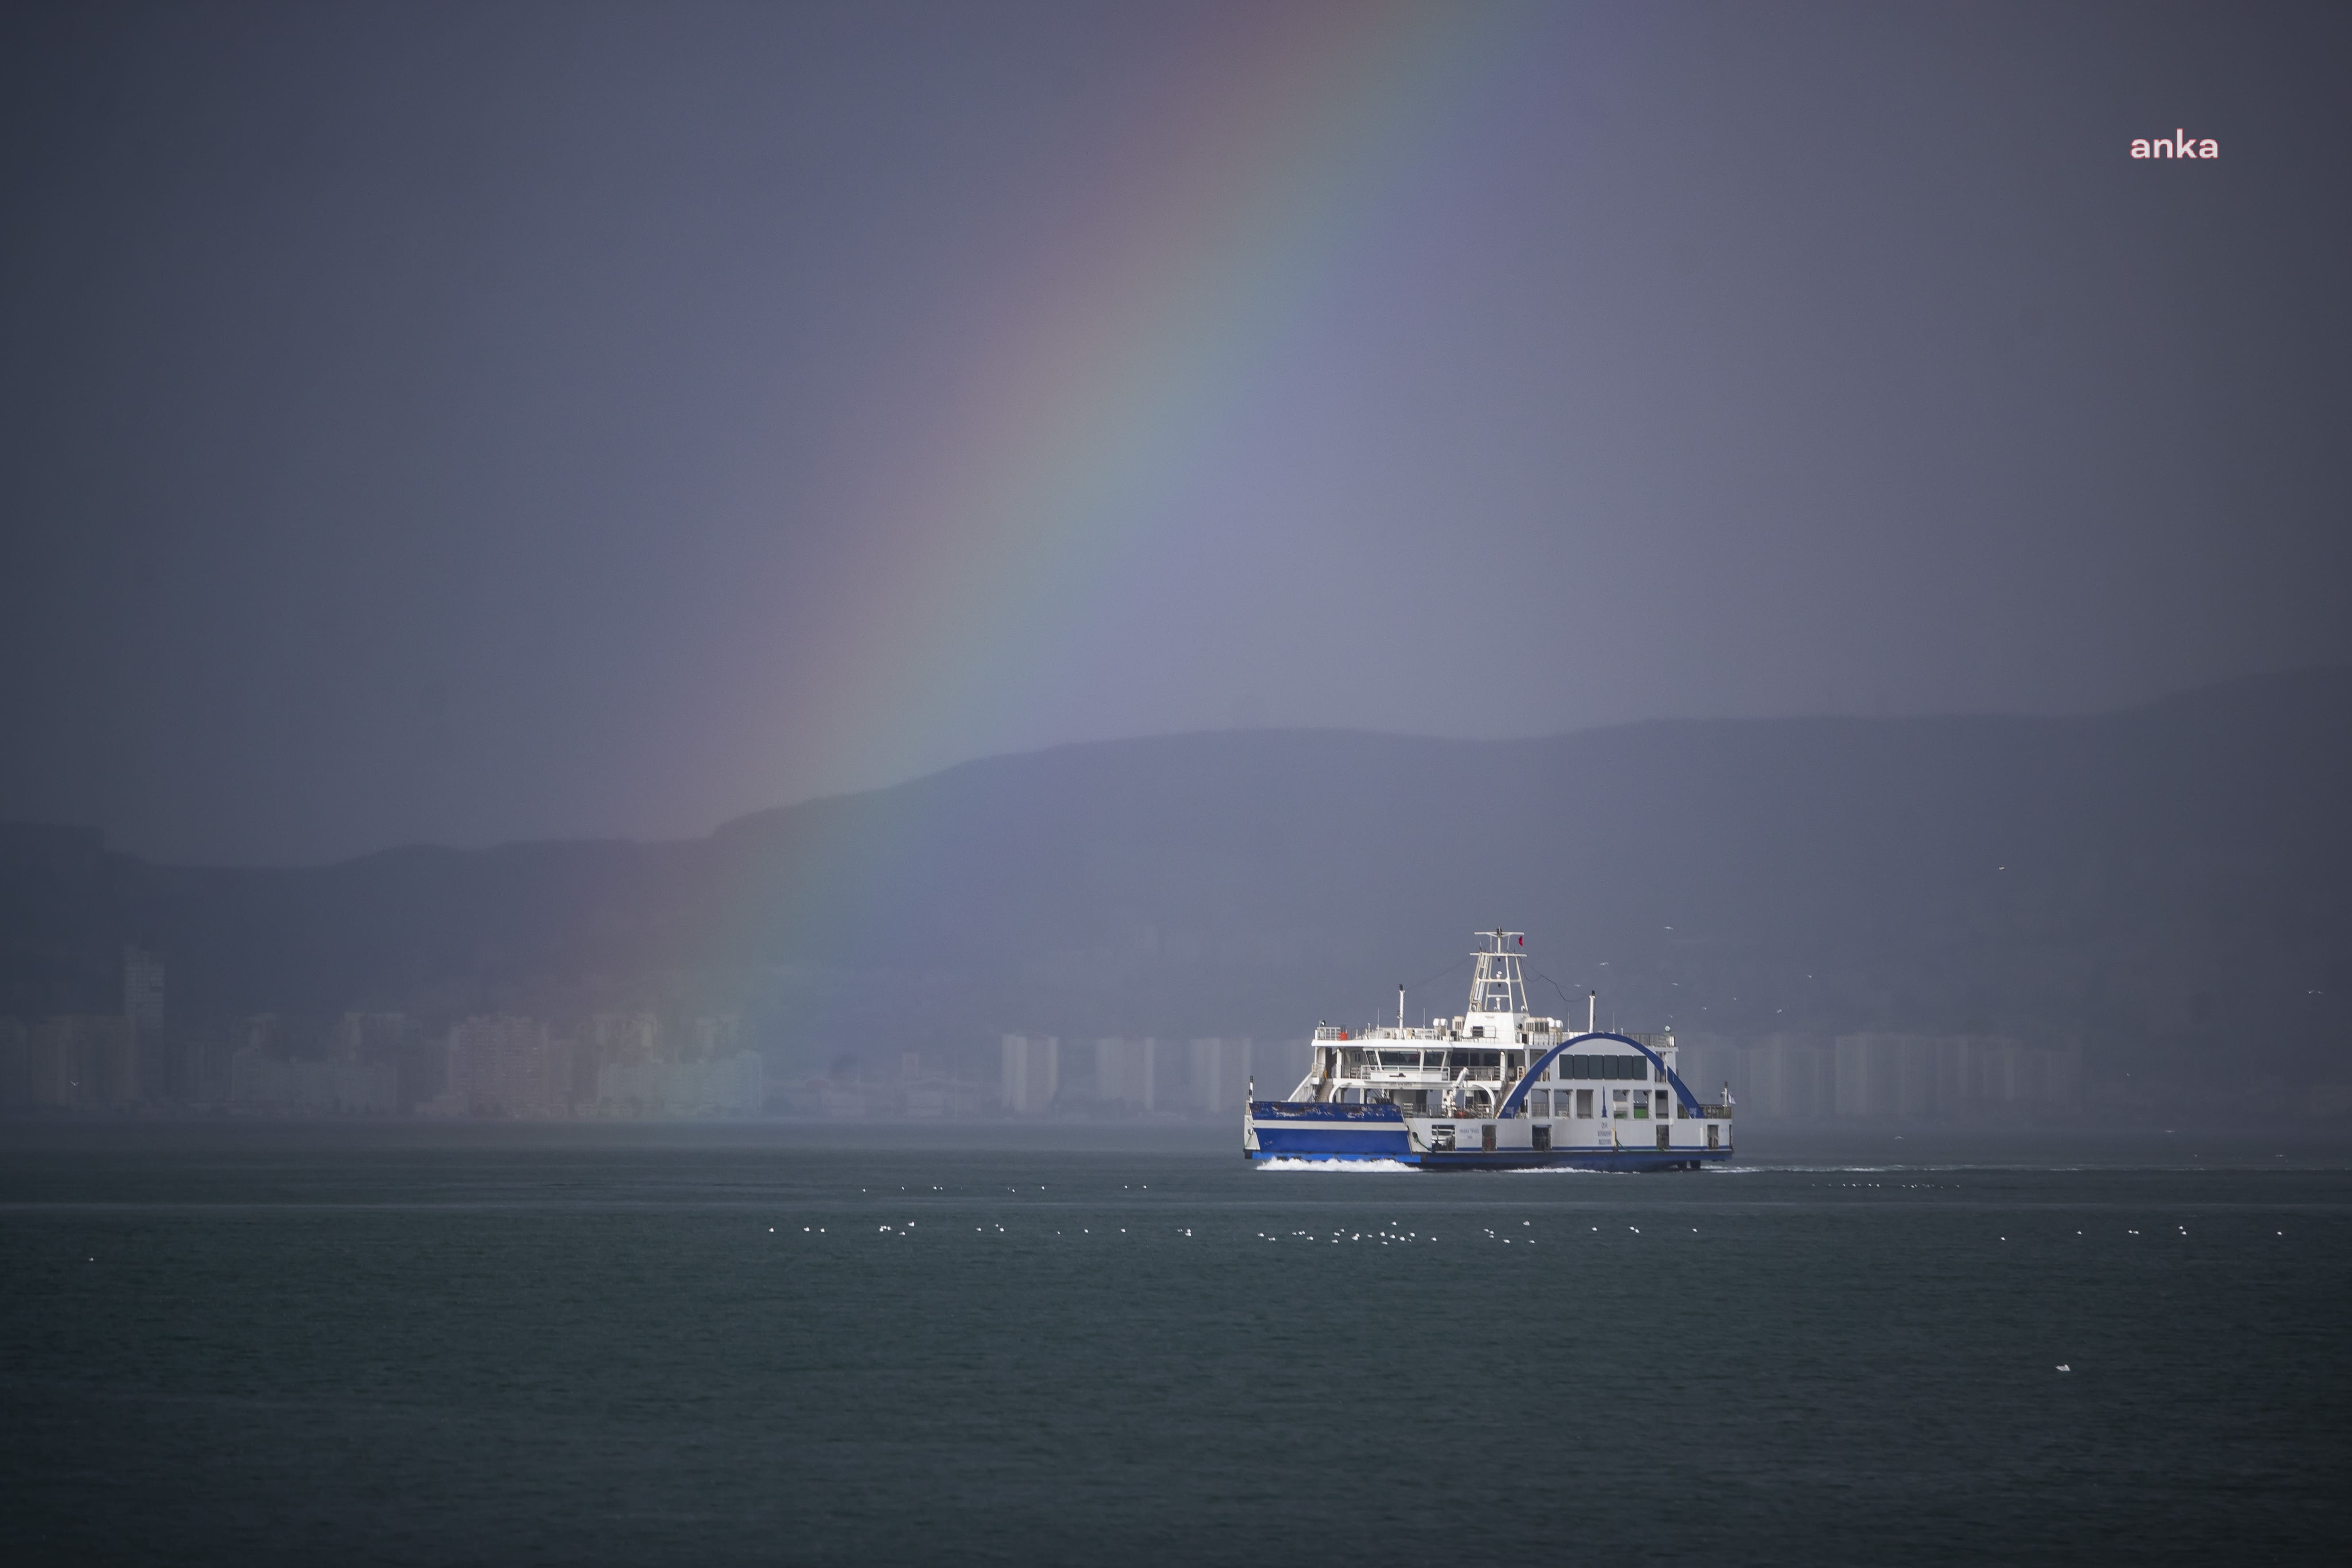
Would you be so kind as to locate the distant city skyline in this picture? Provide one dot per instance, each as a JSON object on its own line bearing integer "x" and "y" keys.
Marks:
{"x": 456, "y": 426}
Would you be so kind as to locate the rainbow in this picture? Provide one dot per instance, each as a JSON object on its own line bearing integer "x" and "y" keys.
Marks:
{"x": 1131, "y": 347}
{"x": 1138, "y": 340}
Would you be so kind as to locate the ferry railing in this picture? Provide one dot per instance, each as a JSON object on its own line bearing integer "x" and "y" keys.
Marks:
{"x": 1425, "y": 1078}
{"x": 1375, "y": 1033}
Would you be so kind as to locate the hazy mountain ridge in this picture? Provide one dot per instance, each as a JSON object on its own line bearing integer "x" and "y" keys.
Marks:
{"x": 2167, "y": 885}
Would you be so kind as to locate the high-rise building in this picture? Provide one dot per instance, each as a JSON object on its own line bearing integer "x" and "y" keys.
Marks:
{"x": 142, "y": 990}
{"x": 1221, "y": 1077}
{"x": 611, "y": 1040}
{"x": 723, "y": 1085}
{"x": 1882, "y": 1077}
{"x": 1033, "y": 1073}
{"x": 505, "y": 1065}
{"x": 716, "y": 1037}
{"x": 368, "y": 1038}
{"x": 625, "y": 1036}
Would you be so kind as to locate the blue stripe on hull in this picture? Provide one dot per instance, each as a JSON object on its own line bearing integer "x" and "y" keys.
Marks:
{"x": 1576, "y": 1160}
{"x": 1511, "y": 1159}
{"x": 1311, "y": 1141}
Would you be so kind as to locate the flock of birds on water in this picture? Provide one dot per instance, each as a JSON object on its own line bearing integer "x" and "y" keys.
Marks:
{"x": 1396, "y": 1234}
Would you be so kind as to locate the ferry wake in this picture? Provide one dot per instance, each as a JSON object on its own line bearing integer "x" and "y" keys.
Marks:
{"x": 1494, "y": 1088}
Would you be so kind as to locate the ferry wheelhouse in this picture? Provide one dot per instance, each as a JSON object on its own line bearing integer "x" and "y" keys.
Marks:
{"x": 1494, "y": 1087}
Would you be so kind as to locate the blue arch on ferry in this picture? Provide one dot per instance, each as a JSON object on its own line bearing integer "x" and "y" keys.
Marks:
{"x": 1512, "y": 1101}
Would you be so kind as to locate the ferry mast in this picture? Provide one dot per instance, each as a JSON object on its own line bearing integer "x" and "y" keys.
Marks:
{"x": 1498, "y": 989}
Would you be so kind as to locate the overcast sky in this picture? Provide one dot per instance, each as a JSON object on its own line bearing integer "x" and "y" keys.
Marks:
{"x": 460, "y": 424}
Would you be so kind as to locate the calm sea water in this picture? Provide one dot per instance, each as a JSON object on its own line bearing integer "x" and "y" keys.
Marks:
{"x": 592, "y": 1345}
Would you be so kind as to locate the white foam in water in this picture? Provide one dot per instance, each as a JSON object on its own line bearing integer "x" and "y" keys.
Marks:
{"x": 1290, "y": 1165}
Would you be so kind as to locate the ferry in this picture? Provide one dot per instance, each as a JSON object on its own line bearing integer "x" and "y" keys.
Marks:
{"x": 1496, "y": 1086}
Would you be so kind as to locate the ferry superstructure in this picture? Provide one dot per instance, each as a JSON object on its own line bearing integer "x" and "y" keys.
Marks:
{"x": 1495, "y": 1087}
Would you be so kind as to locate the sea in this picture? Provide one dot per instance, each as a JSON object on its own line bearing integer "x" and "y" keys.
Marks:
{"x": 361, "y": 1342}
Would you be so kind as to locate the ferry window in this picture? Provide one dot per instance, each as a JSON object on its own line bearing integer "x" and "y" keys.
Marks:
{"x": 1477, "y": 1031}
{"x": 1400, "y": 1059}
{"x": 1584, "y": 1103}
{"x": 1490, "y": 1058}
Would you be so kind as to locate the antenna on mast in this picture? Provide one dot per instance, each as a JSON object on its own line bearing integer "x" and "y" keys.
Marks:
{"x": 1499, "y": 985}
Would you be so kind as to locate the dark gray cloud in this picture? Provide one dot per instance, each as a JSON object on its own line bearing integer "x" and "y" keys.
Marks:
{"x": 485, "y": 422}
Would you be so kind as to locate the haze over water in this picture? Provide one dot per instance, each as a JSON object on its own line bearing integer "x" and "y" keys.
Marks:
{"x": 810, "y": 1344}
{"x": 976, "y": 569}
